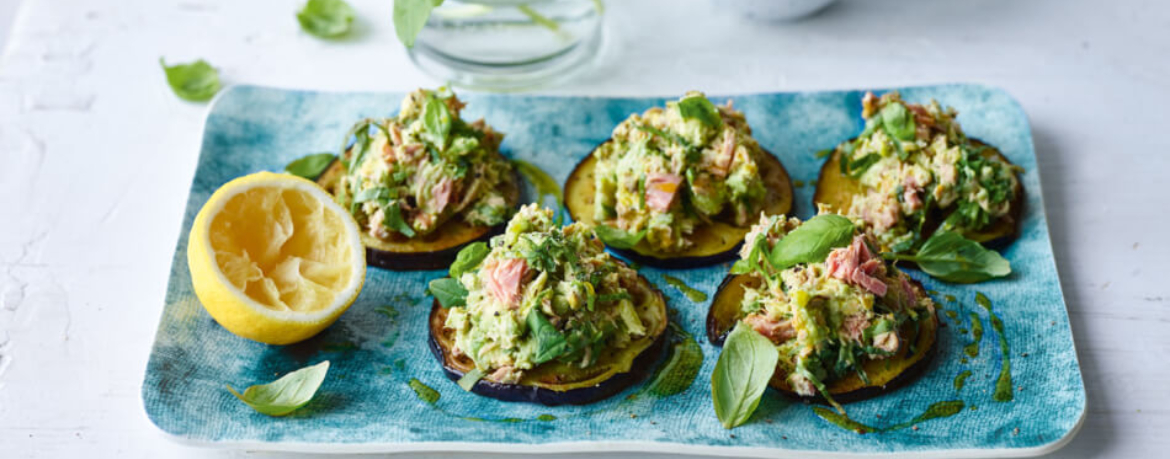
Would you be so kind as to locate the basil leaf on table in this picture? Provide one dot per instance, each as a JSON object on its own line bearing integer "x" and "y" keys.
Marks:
{"x": 550, "y": 343}
{"x": 700, "y": 108}
{"x": 310, "y": 166}
{"x": 410, "y": 16}
{"x": 468, "y": 258}
{"x": 286, "y": 394}
{"x": 617, "y": 238}
{"x": 950, "y": 257}
{"x": 449, "y": 292}
{"x": 812, "y": 241}
{"x": 326, "y": 18}
{"x": 898, "y": 121}
{"x": 436, "y": 122}
{"x": 196, "y": 82}
{"x": 741, "y": 374}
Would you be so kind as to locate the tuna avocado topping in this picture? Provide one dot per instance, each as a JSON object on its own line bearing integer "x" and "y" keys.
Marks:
{"x": 913, "y": 161}
{"x": 670, "y": 169}
{"x": 826, "y": 300}
{"x": 407, "y": 175}
{"x": 543, "y": 294}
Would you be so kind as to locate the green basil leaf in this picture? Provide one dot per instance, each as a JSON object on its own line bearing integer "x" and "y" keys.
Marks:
{"x": 698, "y": 107}
{"x": 393, "y": 218}
{"x": 617, "y": 238}
{"x": 326, "y": 18}
{"x": 550, "y": 343}
{"x": 380, "y": 193}
{"x": 951, "y": 257}
{"x": 436, "y": 121}
{"x": 410, "y": 16}
{"x": 468, "y": 258}
{"x": 812, "y": 241}
{"x": 196, "y": 82}
{"x": 741, "y": 374}
{"x": 470, "y": 378}
{"x": 311, "y": 166}
{"x": 286, "y": 394}
{"x": 897, "y": 121}
{"x": 450, "y": 292}
{"x": 741, "y": 266}
{"x": 860, "y": 165}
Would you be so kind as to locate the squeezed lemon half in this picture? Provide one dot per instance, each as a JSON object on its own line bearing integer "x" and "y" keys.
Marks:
{"x": 274, "y": 259}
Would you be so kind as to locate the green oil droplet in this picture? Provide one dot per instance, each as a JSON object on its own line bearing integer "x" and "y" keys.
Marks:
{"x": 972, "y": 350}
{"x": 423, "y": 391}
{"x": 842, "y": 421}
{"x": 961, "y": 379}
{"x": 952, "y": 314}
{"x": 543, "y": 183}
{"x": 679, "y": 372}
{"x": 692, "y": 294}
{"x": 546, "y": 418}
{"x": 1003, "y": 385}
{"x": 950, "y": 298}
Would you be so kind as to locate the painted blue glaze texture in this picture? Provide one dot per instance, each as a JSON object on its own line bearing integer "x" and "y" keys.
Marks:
{"x": 366, "y": 399}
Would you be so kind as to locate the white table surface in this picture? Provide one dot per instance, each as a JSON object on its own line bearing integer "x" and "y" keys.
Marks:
{"x": 97, "y": 154}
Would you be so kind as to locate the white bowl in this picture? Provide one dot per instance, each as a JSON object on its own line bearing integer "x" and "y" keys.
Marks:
{"x": 779, "y": 10}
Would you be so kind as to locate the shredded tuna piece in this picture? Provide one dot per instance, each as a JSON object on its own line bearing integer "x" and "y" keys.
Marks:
{"x": 726, "y": 154}
{"x": 503, "y": 280}
{"x": 778, "y": 331}
{"x": 801, "y": 385}
{"x": 660, "y": 190}
{"x": 853, "y": 326}
{"x": 502, "y": 374}
{"x": 910, "y": 295}
{"x": 856, "y": 265}
{"x": 887, "y": 341}
{"x": 910, "y": 189}
{"x": 441, "y": 196}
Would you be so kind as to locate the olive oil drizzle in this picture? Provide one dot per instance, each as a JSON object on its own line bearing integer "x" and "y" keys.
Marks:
{"x": 691, "y": 293}
{"x": 680, "y": 369}
{"x": 972, "y": 350}
{"x": 1003, "y": 386}
{"x": 961, "y": 379}
{"x": 423, "y": 391}
{"x": 934, "y": 411}
{"x": 542, "y": 182}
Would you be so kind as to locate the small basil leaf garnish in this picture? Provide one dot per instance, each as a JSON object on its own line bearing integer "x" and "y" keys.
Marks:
{"x": 393, "y": 219}
{"x": 897, "y": 121}
{"x": 310, "y": 166}
{"x": 812, "y": 241}
{"x": 286, "y": 394}
{"x": 950, "y": 257}
{"x": 436, "y": 121}
{"x": 468, "y": 258}
{"x": 326, "y": 18}
{"x": 196, "y": 82}
{"x": 550, "y": 343}
{"x": 741, "y": 374}
{"x": 697, "y": 107}
{"x": 617, "y": 238}
{"x": 410, "y": 16}
{"x": 449, "y": 292}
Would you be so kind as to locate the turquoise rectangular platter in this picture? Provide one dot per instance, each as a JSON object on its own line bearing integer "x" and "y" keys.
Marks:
{"x": 366, "y": 405}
